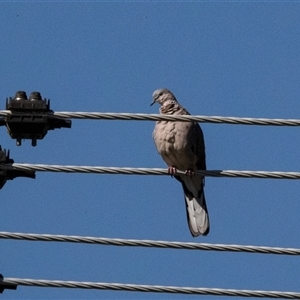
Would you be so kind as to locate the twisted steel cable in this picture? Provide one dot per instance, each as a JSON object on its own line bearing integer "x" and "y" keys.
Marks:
{"x": 147, "y": 243}
{"x": 159, "y": 117}
{"x": 159, "y": 244}
{"x": 147, "y": 171}
{"x": 152, "y": 288}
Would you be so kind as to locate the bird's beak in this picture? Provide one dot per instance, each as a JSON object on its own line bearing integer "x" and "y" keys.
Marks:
{"x": 153, "y": 102}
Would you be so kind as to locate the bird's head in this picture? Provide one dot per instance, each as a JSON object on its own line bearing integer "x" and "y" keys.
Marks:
{"x": 163, "y": 97}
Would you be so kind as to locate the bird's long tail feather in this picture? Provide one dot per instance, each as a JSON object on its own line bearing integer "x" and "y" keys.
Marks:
{"x": 197, "y": 214}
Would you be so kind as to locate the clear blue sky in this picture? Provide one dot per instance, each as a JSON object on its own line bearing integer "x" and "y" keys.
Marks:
{"x": 230, "y": 59}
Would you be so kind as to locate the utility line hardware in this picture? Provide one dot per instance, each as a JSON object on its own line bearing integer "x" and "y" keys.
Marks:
{"x": 4, "y": 285}
{"x": 9, "y": 173}
{"x": 30, "y": 118}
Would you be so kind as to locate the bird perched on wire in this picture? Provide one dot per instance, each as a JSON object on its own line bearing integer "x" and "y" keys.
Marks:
{"x": 181, "y": 145}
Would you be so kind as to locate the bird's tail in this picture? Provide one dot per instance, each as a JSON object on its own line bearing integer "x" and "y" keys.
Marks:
{"x": 196, "y": 209}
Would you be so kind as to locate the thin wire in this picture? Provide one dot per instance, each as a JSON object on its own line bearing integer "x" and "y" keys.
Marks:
{"x": 147, "y": 171}
{"x": 159, "y": 117}
{"x": 147, "y": 243}
{"x": 152, "y": 288}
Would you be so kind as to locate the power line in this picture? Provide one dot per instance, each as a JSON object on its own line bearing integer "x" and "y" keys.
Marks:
{"x": 160, "y": 117}
{"x": 147, "y": 171}
{"x": 152, "y": 243}
{"x": 152, "y": 288}
{"x": 147, "y": 243}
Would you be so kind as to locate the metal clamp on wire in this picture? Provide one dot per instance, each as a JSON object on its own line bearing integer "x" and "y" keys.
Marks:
{"x": 9, "y": 173}
{"x": 9, "y": 286}
{"x": 30, "y": 118}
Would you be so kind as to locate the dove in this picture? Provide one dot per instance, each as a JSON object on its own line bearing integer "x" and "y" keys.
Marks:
{"x": 181, "y": 145}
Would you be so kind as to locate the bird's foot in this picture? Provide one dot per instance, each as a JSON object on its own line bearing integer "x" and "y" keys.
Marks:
{"x": 190, "y": 173}
{"x": 172, "y": 171}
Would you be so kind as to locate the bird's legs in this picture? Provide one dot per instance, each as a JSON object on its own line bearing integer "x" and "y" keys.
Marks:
{"x": 172, "y": 170}
{"x": 190, "y": 173}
